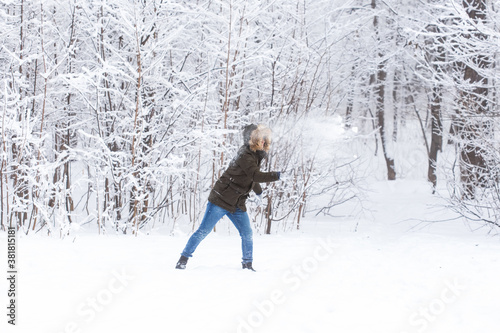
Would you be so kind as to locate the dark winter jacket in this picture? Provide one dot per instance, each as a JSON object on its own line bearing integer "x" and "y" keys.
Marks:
{"x": 242, "y": 176}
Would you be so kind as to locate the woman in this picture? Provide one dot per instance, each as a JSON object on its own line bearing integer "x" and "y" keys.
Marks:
{"x": 231, "y": 190}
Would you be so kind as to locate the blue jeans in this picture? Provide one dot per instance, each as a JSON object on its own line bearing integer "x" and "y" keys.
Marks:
{"x": 212, "y": 215}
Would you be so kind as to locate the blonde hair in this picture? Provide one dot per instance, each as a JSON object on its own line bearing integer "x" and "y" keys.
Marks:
{"x": 262, "y": 132}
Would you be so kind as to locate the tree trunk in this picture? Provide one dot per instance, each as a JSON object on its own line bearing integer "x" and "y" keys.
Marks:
{"x": 380, "y": 108}
{"x": 135, "y": 191}
{"x": 269, "y": 214}
{"x": 474, "y": 103}
{"x": 437, "y": 135}
{"x": 350, "y": 101}
{"x": 380, "y": 92}
{"x": 435, "y": 58}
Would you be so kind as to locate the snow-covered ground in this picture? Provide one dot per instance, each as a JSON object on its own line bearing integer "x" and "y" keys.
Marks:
{"x": 384, "y": 273}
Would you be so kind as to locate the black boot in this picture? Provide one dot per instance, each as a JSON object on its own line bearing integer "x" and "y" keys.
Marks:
{"x": 248, "y": 265}
{"x": 181, "y": 264}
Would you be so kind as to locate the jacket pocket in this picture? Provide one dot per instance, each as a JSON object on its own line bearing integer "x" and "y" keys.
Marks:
{"x": 230, "y": 195}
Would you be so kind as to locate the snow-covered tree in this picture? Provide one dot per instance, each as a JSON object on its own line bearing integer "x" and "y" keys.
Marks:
{"x": 121, "y": 114}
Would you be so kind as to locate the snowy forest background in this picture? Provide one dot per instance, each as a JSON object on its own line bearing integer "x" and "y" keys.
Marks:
{"x": 120, "y": 115}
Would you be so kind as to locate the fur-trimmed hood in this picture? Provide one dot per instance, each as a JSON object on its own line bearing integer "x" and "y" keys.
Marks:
{"x": 253, "y": 136}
